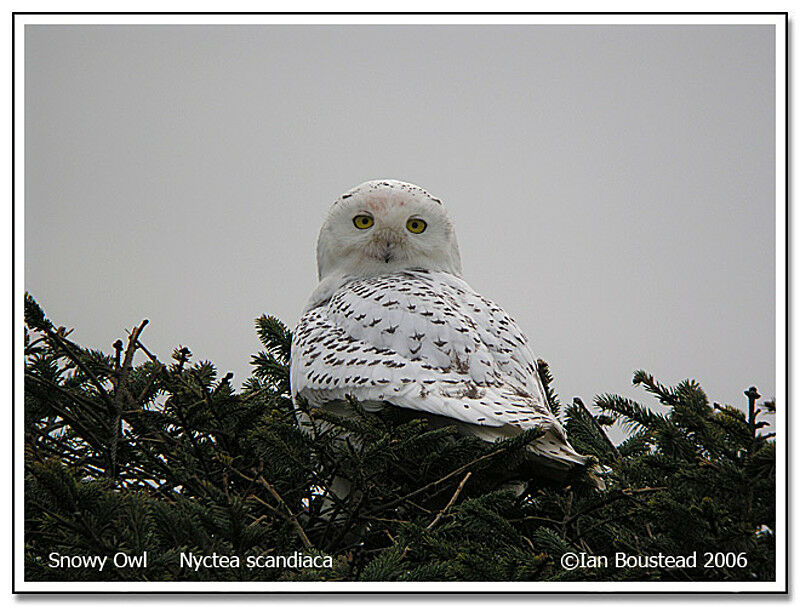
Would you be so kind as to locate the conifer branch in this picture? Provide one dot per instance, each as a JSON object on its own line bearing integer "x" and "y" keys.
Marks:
{"x": 70, "y": 395}
{"x": 596, "y": 425}
{"x": 193, "y": 477}
{"x": 75, "y": 357}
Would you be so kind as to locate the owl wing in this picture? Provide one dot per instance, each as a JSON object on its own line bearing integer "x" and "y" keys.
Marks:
{"x": 425, "y": 341}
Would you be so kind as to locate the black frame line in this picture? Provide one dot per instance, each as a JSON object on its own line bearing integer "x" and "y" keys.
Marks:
{"x": 332, "y": 589}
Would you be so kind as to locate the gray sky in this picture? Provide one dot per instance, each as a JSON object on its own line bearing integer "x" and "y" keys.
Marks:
{"x": 612, "y": 186}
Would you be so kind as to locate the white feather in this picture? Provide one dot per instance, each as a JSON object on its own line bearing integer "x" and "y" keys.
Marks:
{"x": 393, "y": 323}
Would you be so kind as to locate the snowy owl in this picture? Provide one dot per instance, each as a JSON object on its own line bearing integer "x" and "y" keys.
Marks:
{"x": 393, "y": 323}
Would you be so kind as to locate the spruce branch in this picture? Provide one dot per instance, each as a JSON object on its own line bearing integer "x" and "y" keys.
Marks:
{"x": 74, "y": 355}
{"x": 578, "y": 402}
{"x": 422, "y": 504}
{"x": 630, "y": 413}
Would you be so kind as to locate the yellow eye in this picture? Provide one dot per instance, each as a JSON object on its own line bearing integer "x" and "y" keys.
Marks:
{"x": 363, "y": 221}
{"x": 416, "y": 226}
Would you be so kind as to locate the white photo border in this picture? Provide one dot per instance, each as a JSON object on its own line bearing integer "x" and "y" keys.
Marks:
{"x": 777, "y": 19}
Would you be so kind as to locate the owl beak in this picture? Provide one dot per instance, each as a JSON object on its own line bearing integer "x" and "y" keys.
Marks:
{"x": 386, "y": 244}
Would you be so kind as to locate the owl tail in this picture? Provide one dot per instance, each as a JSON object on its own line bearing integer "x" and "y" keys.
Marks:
{"x": 557, "y": 459}
{"x": 551, "y": 455}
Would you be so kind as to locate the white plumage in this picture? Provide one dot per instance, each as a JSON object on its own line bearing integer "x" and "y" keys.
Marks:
{"x": 393, "y": 323}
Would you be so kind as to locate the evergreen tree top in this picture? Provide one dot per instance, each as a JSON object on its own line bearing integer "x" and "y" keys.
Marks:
{"x": 166, "y": 457}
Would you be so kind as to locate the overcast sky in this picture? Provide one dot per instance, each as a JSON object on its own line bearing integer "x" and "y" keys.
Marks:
{"x": 612, "y": 186}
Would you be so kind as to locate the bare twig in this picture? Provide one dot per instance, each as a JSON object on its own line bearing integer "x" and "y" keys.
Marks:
{"x": 440, "y": 480}
{"x": 443, "y": 511}
{"x": 121, "y": 393}
{"x": 289, "y": 516}
{"x": 117, "y": 353}
{"x": 133, "y": 340}
{"x": 292, "y": 518}
{"x": 147, "y": 352}
{"x": 451, "y": 501}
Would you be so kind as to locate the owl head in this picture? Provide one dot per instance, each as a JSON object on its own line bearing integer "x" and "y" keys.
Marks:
{"x": 385, "y": 226}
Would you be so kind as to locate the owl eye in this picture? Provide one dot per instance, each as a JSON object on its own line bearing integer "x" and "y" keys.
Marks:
{"x": 416, "y": 226}
{"x": 363, "y": 221}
